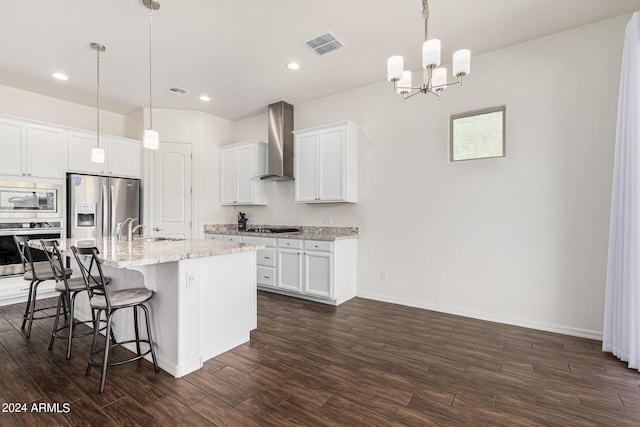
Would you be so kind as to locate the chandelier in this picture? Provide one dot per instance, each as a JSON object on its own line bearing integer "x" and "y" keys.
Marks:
{"x": 434, "y": 76}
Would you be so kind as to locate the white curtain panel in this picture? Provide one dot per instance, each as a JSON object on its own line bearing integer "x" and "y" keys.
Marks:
{"x": 622, "y": 298}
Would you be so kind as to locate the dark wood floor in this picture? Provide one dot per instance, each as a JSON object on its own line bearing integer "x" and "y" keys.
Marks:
{"x": 365, "y": 363}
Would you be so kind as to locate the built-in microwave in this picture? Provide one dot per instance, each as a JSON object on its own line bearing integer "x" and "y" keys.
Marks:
{"x": 30, "y": 200}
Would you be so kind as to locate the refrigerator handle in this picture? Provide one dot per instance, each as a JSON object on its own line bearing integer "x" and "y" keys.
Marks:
{"x": 113, "y": 208}
{"x": 105, "y": 213}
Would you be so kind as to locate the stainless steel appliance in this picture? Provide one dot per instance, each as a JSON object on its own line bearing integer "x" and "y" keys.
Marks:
{"x": 96, "y": 204}
{"x": 10, "y": 260}
{"x": 30, "y": 200}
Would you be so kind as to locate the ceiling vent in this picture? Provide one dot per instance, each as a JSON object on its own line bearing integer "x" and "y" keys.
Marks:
{"x": 177, "y": 91}
{"x": 324, "y": 43}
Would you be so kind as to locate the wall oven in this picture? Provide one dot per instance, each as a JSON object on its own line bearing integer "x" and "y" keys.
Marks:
{"x": 10, "y": 260}
{"x": 26, "y": 200}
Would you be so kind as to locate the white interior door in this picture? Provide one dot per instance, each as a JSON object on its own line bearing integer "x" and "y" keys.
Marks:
{"x": 172, "y": 190}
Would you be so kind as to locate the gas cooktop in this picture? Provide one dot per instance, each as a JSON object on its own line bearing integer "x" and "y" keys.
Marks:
{"x": 273, "y": 230}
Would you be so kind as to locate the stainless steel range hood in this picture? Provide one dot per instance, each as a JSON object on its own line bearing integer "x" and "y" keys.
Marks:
{"x": 280, "y": 142}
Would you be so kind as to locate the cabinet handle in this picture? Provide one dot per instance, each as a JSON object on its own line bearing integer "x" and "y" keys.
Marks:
{"x": 266, "y": 277}
{"x": 267, "y": 257}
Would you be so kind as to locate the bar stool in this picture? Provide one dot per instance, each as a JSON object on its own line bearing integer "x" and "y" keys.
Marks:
{"x": 110, "y": 302}
{"x": 36, "y": 273}
{"x": 68, "y": 288}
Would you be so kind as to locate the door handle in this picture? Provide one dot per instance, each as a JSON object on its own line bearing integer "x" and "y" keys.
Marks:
{"x": 157, "y": 229}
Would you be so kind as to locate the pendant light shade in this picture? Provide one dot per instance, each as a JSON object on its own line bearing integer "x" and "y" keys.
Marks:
{"x": 151, "y": 139}
{"x": 97, "y": 153}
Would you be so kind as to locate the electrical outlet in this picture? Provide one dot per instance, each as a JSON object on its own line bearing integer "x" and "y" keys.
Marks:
{"x": 191, "y": 280}
{"x": 328, "y": 221}
{"x": 384, "y": 275}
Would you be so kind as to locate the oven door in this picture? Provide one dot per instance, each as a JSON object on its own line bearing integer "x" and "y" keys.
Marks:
{"x": 10, "y": 261}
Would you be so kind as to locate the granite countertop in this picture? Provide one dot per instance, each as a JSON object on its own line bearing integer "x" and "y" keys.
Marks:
{"x": 306, "y": 232}
{"x": 121, "y": 254}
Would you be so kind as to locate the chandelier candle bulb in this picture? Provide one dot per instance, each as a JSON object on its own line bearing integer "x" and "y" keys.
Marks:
{"x": 404, "y": 85}
{"x": 395, "y": 66}
{"x": 461, "y": 62}
{"x": 439, "y": 78}
{"x": 431, "y": 53}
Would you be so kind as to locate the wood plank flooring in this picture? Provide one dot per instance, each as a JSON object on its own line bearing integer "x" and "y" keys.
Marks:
{"x": 365, "y": 363}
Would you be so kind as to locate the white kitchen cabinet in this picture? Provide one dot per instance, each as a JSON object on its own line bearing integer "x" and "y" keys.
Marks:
{"x": 318, "y": 268}
{"x": 289, "y": 271}
{"x": 232, "y": 238}
{"x": 123, "y": 157}
{"x": 240, "y": 164}
{"x": 31, "y": 149}
{"x": 326, "y": 163}
{"x": 265, "y": 260}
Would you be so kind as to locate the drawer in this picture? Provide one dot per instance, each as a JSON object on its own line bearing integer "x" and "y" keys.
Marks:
{"x": 290, "y": 243}
{"x": 232, "y": 238}
{"x": 252, "y": 240}
{"x": 217, "y": 237}
{"x": 266, "y": 276}
{"x": 266, "y": 257}
{"x": 318, "y": 245}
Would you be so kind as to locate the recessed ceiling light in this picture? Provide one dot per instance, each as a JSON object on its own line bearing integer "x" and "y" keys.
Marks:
{"x": 60, "y": 76}
{"x": 205, "y": 98}
{"x": 293, "y": 66}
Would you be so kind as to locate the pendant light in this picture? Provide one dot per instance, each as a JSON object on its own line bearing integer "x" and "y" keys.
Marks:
{"x": 151, "y": 139}
{"x": 97, "y": 153}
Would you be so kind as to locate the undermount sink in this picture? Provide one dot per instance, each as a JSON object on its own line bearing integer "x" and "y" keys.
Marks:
{"x": 160, "y": 239}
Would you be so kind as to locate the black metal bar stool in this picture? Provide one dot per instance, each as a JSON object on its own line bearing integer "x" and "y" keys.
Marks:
{"x": 109, "y": 302}
{"x": 36, "y": 273}
{"x": 68, "y": 288}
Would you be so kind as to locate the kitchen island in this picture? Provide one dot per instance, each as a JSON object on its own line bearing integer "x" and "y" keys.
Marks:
{"x": 205, "y": 294}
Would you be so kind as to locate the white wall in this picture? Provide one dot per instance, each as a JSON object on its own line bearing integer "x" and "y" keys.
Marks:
{"x": 521, "y": 239}
{"x": 29, "y": 105}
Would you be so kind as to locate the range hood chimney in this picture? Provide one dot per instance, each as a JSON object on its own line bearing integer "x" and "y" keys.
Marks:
{"x": 280, "y": 142}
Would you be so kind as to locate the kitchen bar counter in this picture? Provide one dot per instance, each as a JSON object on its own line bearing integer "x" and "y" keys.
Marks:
{"x": 204, "y": 299}
{"x": 306, "y": 232}
{"x": 122, "y": 254}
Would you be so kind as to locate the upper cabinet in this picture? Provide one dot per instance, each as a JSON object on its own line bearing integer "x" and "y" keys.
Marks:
{"x": 123, "y": 157}
{"x": 326, "y": 163}
{"x": 240, "y": 164}
{"x": 31, "y": 149}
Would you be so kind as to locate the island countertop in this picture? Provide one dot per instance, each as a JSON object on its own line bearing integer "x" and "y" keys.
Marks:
{"x": 121, "y": 254}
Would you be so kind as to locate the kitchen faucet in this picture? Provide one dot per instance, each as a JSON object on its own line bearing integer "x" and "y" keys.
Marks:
{"x": 130, "y": 228}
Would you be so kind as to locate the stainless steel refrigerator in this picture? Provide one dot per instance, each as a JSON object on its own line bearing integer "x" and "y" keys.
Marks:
{"x": 96, "y": 204}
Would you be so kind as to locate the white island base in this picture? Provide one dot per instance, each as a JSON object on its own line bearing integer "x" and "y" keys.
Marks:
{"x": 201, "y": 308}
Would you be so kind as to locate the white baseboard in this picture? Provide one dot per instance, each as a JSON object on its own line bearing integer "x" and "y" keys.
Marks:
{"x": 548, "y": 327}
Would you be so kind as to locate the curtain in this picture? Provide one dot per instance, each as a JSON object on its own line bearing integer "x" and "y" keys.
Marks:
{"x": 622, "y": 296}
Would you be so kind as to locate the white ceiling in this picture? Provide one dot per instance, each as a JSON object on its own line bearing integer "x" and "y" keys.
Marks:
{"x": 235, "y": 51}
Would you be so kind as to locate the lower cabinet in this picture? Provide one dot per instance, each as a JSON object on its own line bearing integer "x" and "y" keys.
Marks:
{"x": 318, "y": 270}
{"x": 265, "y": 260}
